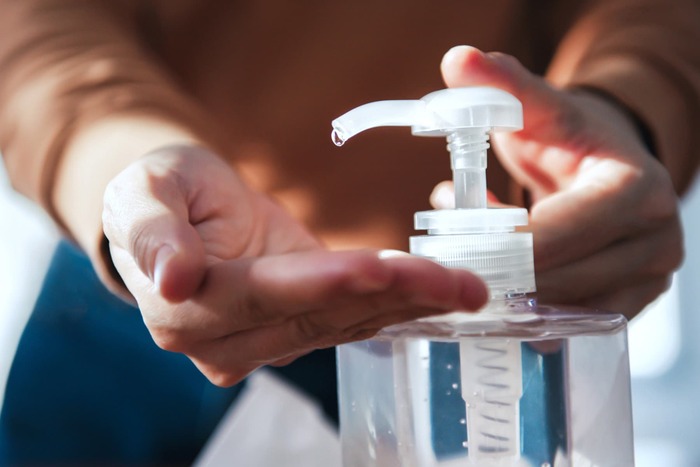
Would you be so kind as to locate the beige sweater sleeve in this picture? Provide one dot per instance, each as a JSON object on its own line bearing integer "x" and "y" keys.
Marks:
{"x": 646, "y": 55}
{"x": 82, "y": 94}
{"x": 81, "y": 97}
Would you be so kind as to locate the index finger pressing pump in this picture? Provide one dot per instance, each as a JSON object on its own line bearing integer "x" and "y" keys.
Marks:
{"x": 516, "y": 384}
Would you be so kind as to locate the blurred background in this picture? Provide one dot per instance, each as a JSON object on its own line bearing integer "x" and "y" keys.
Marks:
{"x": 664, "y": 347}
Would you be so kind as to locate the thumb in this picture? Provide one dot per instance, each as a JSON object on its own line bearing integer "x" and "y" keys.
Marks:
{"x": 443, "y": 196}
{"x": 170, "y": 251}
{"x": 151, "y": 224}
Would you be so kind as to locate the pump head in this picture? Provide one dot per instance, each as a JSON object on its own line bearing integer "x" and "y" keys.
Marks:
{"x": 472, "y": 235}
{"x": 464, "y": 115}
{"x": 439, "y": 113}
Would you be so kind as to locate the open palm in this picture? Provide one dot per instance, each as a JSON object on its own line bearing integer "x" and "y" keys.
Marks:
{"x": 224, "y": 275}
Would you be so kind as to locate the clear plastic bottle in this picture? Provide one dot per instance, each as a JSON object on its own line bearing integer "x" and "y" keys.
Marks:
{"x": 517, "y": 384}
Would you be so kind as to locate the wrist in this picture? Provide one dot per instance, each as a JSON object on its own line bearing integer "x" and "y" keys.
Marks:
{"x": 95, "y": 155}
{"x": 637, "y": 126}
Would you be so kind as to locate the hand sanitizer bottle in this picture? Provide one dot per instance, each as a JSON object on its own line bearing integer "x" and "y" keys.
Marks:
{"x": 516, "y": 384}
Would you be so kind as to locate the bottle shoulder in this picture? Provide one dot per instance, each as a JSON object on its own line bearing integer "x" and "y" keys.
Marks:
{"x": 526, "y": 320}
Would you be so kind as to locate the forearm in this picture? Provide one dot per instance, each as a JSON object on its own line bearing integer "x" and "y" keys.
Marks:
{"x": 639, "y": 53}
{"x": 80, "y": 98}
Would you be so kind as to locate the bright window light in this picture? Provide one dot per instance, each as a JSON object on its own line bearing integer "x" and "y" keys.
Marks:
{"x": 659, "y": 324}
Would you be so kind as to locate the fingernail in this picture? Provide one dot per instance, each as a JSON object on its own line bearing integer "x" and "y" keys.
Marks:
{"x": 458, "y": 51}
{"x": 384, "y": 254}
{"x": 474, "y": 297}
{"x": 443, "y": 197}
{"x": 374, "y": 279}
{"x": 162, "y": 257}
{"x": 452, "y": 54}
{"x": 364, "y": 285}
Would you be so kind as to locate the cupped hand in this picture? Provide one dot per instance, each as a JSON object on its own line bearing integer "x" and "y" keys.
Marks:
{"x": 604, "y": 214}
{"x": 224, "y": 275}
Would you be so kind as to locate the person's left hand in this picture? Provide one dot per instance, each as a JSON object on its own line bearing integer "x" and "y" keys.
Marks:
{"x": 605, "y": 214}
{"x": 223, "y": 274}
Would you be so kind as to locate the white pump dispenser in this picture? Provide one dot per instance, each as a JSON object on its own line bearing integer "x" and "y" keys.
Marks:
{"x": 471, "y": 236}
{"x": 478, "y": 238}
{"x": 492, "y": 342}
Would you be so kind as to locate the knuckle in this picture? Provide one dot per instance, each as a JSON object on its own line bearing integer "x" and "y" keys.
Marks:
{"x": 171, "y": 340}
{"x": 655, "y": 288}
{"x": 225, "y": 379}
{"x": 363, "y": 334}
{"x": 573, "y": 123}
{"x": 669, "y": 253}
{"x": 660, "y": 201}
{"x": 509, "y": 61}
{"x": 663, "y": 207}
{"x": 110, "y": 210}
{"x": 673, "y": 257}
{"x": 141, "y": 246}
{"x": 310, "y": 330}
{"x": 128, "y": 200}
{"x": 252, "y": 312}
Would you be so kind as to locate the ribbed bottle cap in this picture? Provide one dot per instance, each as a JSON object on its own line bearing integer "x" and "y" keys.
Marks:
{"x": 483, "y": 241}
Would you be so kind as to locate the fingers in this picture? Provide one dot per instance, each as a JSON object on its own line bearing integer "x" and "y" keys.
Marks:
{"x": 543, "y": 155}
{"x": 258, "y": 311}
{"x": 614, "y": 247}
{"x": 146, "y": 214}
{"x": 226, "y": 361}
{"x": 572, "y": 225}
{"x": 605, "y": 218}
{"x": 468, "y": 66}
{"x": 287, "y": 360}
{"x": 607, "y": 246}
{"x": 610, "y": 202}
{"x": 272, "y": 289}
{"x": 647, "y": 257}
{"x": 443, "y": 196}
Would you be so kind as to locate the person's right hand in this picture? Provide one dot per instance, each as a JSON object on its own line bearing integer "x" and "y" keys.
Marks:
{"x": 227, "y": 277}
{"x": 604, "y": 214}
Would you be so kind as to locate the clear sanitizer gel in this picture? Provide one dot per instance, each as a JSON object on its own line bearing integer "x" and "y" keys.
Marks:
{"x": 516, "y": 384}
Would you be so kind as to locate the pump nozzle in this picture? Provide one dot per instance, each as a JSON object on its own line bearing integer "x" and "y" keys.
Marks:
{"x": 376, "y": 114}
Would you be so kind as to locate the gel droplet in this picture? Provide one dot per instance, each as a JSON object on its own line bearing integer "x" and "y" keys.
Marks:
{"x": 337, "y": 138}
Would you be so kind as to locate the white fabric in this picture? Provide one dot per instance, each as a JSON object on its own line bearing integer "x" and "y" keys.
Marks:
{"x": 272, "y": 425}
{"x": 27, "y": 240}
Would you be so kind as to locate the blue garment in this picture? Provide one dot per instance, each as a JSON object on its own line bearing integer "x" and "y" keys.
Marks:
{"x": 88, "y": 385}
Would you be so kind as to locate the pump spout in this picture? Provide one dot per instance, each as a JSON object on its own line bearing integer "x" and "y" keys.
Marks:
{"x": 376, "y": 114}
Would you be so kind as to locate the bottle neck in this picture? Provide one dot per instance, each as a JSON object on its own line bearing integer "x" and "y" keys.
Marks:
{"x": 512, "y": 309}
{"x": 468, "y": 154}
{"x": 509, "y": 304}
